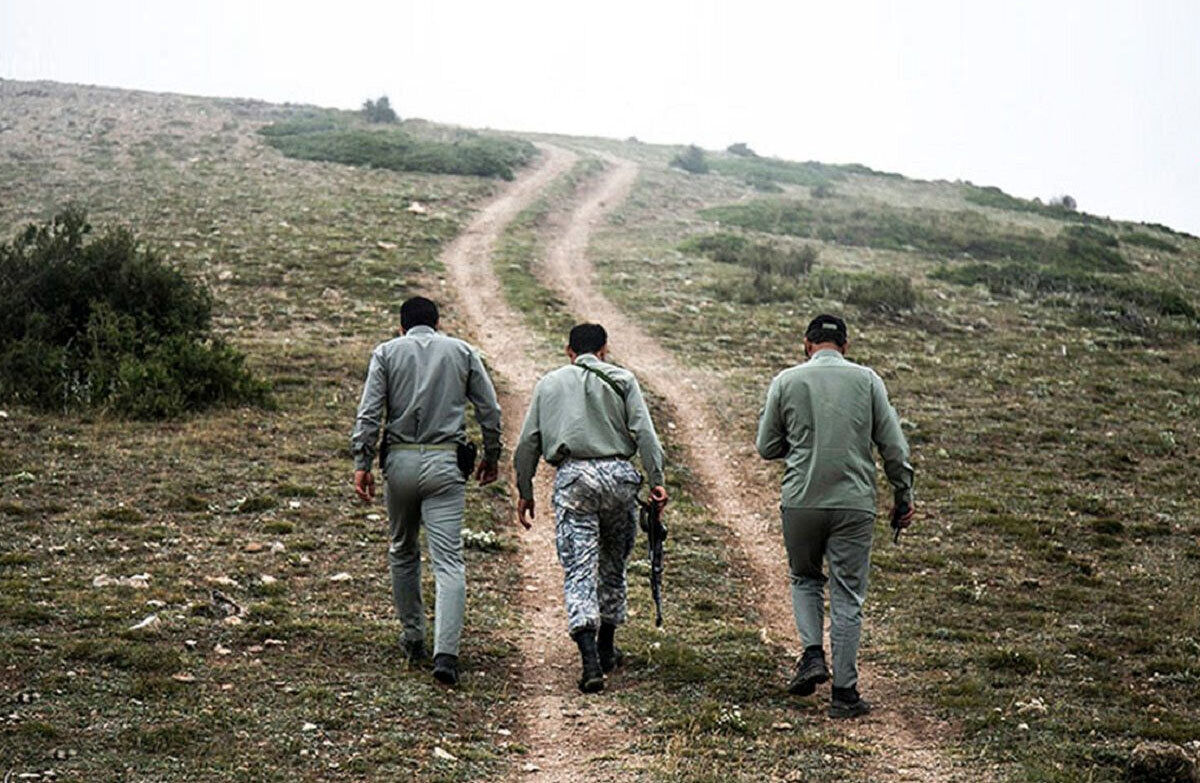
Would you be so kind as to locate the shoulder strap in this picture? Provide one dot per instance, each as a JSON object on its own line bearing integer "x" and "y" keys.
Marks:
{"x": 604, "y": 377}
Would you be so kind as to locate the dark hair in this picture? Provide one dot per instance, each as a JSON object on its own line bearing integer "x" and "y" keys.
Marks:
{"x": 587, "y": 338}
{"x": 418, "y": 311}
{"x": 826, "y": 329}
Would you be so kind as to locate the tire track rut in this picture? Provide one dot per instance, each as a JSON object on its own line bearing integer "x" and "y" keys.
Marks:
{"x": 563, "y": 729}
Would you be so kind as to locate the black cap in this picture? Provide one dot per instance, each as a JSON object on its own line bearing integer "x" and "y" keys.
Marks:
{"x": 826, "y": 329}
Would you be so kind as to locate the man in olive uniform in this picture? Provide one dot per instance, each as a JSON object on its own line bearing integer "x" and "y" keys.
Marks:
{"x": 588, "y": 419}
{"x": 823, "y": 416}
{"x": 424, "y": 380}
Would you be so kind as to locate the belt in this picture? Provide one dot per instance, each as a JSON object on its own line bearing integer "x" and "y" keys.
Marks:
{"x": 423, "y": 446}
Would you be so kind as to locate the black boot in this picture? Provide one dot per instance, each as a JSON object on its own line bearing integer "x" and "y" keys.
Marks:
{"x": 847, "y": 703}
{"x": 592, "y": 680}
{"x": 811, "y": 671}
{"x": 610, "y": 655}
{"x": 445, "y": 668}
{"x": 414, "y": 650}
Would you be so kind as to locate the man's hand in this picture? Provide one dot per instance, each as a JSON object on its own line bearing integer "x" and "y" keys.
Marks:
{"x": 487, "y": 472}
{"x": 364, "y": 485}
{"x": 658, "y": 496}
{"x": 525, "y": 507}
{"x": 905, "y": 519}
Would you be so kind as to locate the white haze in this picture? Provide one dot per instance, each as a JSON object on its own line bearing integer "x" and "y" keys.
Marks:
{"x": 1099, "y": 99}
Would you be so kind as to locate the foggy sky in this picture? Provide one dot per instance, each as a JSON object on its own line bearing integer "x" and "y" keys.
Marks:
{"x": 1099, "y": 99}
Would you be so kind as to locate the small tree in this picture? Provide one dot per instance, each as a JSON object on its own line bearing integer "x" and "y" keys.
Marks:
{"x": 691, "y": 160}
{"x": 1064, "y": 202}
{"x": 379, "y": 111}
{"x": 740, "y": 148}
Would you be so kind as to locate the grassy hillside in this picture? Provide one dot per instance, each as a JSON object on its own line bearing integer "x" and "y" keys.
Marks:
{"x": 1046, "y": 364}
{"x": 1048, "y": 372}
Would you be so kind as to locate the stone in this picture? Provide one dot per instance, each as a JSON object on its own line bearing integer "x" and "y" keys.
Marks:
{"x": 1162, "y": 762}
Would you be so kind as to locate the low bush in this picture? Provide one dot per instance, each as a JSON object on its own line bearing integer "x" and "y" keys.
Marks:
{"x": 824, "y": 190}
{"x": 106, "y": 323}
{"x": 948, "y": 234}
{"x": 1063, "y": 207}
{"x": 774, "y": 270}
{"x": 1006, "y": 279}
{"x": 1144, "y": 239}
{"x": 887, "y": 294}
{"x": 330, "y": 138}
{"x": 741, "y": 149}
{"x": 762, "y": 258}
{"x": 691, "y": 160}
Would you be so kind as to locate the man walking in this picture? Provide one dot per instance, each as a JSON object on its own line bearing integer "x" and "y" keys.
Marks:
{"x": 424, "y": 379}
{"x": 588, "y": 419}
{"x": 823, "y": 416}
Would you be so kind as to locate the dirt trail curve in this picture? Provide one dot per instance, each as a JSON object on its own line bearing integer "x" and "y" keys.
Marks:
{"x": 562, "y": 728}
{"x": 908, "y": 745}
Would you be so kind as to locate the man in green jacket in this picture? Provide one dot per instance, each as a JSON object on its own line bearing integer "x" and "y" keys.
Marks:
{"x": 420, "y": 384}
{"x": 588, "y": 419}
{"x": 822, "y": 417}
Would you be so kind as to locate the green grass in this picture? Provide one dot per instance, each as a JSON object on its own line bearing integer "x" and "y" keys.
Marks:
{"x": 758, "y": 170}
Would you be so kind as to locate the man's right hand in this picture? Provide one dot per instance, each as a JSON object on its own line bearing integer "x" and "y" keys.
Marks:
{"x": 658, "y": 496}
{"x": 905, "y": 519}
{"x": 525, "y": 507}
{"x": 364, "y": 485}
{"x": 487, "y": 472}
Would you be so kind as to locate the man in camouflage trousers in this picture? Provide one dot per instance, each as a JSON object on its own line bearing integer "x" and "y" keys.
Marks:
{"x": 588, "y": 419}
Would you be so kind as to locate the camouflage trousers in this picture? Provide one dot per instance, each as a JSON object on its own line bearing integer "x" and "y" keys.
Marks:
{"x": 595, "y": 507}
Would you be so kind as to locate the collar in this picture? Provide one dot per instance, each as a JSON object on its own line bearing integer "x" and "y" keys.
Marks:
{"x": 422, "y": 329}
{"x": 591, "y": 359}
{"x": 828, "y": 354}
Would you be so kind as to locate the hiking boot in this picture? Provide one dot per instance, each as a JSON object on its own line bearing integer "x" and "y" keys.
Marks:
{"x": 811, "y": 671}
{"x": 414, "y": 650}
{"x": 847, "y": 703}
{"x": 610, "y": 655}
{"x": 592, "y": 678}
{"x": 445, "y": 668}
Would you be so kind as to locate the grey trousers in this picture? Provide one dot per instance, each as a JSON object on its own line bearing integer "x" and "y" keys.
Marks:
{"x": 426, "y": 487}
{"x": 843, "y": 536}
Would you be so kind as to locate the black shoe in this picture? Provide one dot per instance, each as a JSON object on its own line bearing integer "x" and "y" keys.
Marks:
{"x": 445, "y": 668}
{"x": 847, "y": 703}
{"x": 811, "y": 671}
{"x": 414, "y": 650}
{"x": 610, "y": 655}
{"x": 592, "y": 679}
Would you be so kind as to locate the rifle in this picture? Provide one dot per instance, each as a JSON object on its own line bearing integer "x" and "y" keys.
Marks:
{"x": 650, "y": 517}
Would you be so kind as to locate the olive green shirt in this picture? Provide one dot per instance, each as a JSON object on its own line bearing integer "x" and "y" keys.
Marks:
{"x": 424, "y": 380}
{"x": 823, "y": 416}
{"x": 576, "y": 414}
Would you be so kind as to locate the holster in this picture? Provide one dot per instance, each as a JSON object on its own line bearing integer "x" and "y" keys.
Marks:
{"x": 466, "y": 454}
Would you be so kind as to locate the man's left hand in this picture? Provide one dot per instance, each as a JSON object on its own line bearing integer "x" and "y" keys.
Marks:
{"x": 487, "y": 472}
{"x": 364, "y": 485}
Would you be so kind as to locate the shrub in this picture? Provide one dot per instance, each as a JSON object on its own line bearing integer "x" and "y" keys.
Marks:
{"x": 824, "y": 190}
{"x": 1006, "y": 279}
{"x": 1063, "y": 207}
{"x": 691, "y": 160}
{"x": 763, "y": 184}
{"x": 949, "y": 234}
{"x": 763, "y": 258}
{"x": 1145, "y": 239}
{"x": 394, "y": 149}
{"x": 741, "y": 149}
{"x": 774, "y": 269}
{"x": 379, "y": 111}
{"x": 888, "y": 294}
{"x": 106, "y": 323}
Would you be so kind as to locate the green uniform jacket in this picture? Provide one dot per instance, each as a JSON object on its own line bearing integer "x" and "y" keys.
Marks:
{"x": 424, "y": 380}
{"x": 575, "y": 414}
{"x": 823, "y": 416}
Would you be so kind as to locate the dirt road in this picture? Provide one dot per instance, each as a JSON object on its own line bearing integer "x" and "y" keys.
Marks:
{"x": 562, "y": 728}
